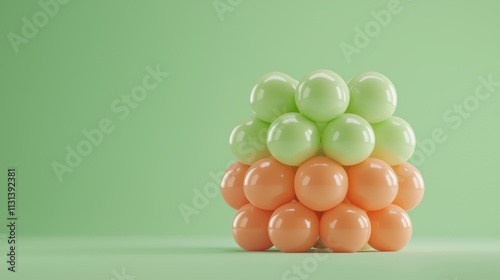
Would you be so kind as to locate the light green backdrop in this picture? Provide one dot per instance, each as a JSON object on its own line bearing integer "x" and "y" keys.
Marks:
{"x": 66, "y": 78}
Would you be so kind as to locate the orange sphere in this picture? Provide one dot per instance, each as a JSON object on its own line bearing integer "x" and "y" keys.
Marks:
{"x": 411, "y": 186}
{"x": 250, "y": 228}
{"x": 294, "y": 227}
{"x": 232, "y": 185}
{"x": 345, "y": 228}
{"x": 269, "y": 184}
{"x": 391, "y": 228}
{"x": 320, "y": 183}
{"x": 373, "y": 184}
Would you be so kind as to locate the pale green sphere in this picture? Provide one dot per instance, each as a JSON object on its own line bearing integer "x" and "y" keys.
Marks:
{"x": 348, "y": 139}
{"x": 273, "y": 95}
{"x": 293, "y": 139}
{"x": 248, "y": 140}
{"x": 373, "y": 97}
{"x": 322, "y": 95}
{"x": 395, "y": 141}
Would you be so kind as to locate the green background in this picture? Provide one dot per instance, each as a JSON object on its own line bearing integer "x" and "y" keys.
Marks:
{"x": 66, "y": 77}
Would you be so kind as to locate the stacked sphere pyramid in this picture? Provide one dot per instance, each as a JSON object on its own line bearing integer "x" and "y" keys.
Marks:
{"x": 322, "y": 163}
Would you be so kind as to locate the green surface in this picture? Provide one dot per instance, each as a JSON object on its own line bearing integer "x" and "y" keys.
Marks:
{"x": 208, "y": 258}
{"x": 156, "y": 172}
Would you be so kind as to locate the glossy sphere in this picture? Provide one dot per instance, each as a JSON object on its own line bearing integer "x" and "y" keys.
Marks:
{"x": 373, "y": 97}
{"x": 373, "y": 184}
{"x": 320, "y": 183}
{"x": 391, "y": 228}
{"x": 395, "y": 142}
{"x": 273, "y": 95}
{"x": 248, "y": 140}
{"x": 293, "y": 228}
{"x": 322, "y": 95}
{"x": 411, "y": 186}
{"x": 250, "y": 228}
{"x": 269, "y": 184}
{"x": 348, "y": 139}
{"x": 345, "y": 228}
{"x": 232, "y": 185}
{"x": 293, "y": 139}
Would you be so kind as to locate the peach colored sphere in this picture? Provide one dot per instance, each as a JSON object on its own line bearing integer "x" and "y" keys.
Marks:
{"x": 373, "y": 184}
{"x": 411, "y": 186}
{"x": 320, "y": 183}
{"x": 345, "y": 228}
{"x": 250, "y": 228}
{"x": 232, "y": 185}
{"x": 391, "y": 228}
{"x": 269, "y": 184}
{"x": 294, "y": 227}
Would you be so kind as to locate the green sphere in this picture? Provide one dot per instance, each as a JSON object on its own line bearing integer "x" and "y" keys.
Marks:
{"x": 373, "y": 97}
{"x": 248, "y": 140}
{"x": 395, "y": 141}
{"x": 293, "y": 139}
{"x": 348, "y": 139}
{"x": 273, "y": 95}
{"x": 322, "y": 95}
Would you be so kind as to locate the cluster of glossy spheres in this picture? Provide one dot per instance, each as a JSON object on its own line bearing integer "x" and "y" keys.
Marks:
{"x": 322, "y": 163}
